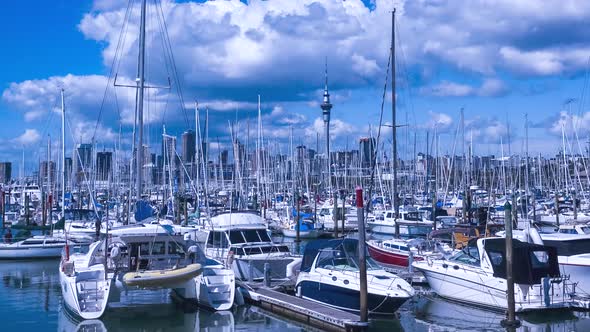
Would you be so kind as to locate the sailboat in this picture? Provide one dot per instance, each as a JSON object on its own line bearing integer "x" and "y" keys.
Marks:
{"x": 40, "y": 246}
{"x": 130, "y": 263}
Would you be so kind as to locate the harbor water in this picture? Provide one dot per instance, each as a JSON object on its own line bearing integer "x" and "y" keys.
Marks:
{"x": 30, "y": 300}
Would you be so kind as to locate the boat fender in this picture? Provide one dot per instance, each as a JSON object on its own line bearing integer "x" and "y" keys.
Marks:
{"x": 546, "y": 297}
{"x": 428, "y": 260}
{"x": 230, "y": 258}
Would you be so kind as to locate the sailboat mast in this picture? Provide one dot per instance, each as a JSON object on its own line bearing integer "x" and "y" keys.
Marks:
{"x": 63, "y": 155}
{"x": 197, "y": 148}
{"x": 140, "y": 85}
{"x": 393, "y": 124}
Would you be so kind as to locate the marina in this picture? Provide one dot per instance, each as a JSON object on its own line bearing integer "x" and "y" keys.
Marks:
{"x": 30, "y": 300}
{"x": 246, "y": 166}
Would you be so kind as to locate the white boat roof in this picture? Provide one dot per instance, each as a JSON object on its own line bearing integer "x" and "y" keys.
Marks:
{"x": 564, "y": 236}
{"x": 237, "y": 220}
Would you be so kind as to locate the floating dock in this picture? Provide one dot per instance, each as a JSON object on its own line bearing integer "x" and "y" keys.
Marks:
{"x": 309, "y": 312}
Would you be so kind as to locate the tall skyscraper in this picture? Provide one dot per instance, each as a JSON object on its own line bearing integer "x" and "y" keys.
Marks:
{"x": 367, "y": 149}
{"x": 169, "y": 154}
{"x": 104, "y": 165}
{"x": 82, "y": 159}
{"x": 68, "y": 163}
{"x": 224, "y": 157}
{"x": 47, "y": 173}
{"x": 5, "y": 172}
{"x": 188, "y": 147}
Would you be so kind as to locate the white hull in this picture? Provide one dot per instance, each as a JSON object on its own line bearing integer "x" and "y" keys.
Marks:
{"x": 312, "y": 234}
{"x": 474, "y": 286}
{"x": 579, "y": 272}
{"x": 31, "y": 252}
{"x": 348, "y": 225}
{"x": 214, "y": 288}
{"x": 86, "y": 298}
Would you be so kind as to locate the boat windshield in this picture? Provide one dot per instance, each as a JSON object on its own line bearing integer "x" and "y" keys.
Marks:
{"x": 248, "y": 236}
{"x": 412, "y": 216}
{"x": 333, "y": 259}
{"x": 469, "y": 255}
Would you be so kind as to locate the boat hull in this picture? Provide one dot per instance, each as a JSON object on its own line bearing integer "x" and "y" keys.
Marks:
{"x": 309, "y": 234}
{"x": 31, "y": 253}
{"x": 214, "y": 289}
{"x": 390, "y": 258}
{"x": 579, "y": 272}
{"x": 468, "y": 285}
{"x": 348, "y": 299}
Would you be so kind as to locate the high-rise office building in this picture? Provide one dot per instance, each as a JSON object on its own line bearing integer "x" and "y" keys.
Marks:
{"x": 188, "y": 147}
{"x": 104, "y": 165}
{"x": 5, "y": 172}
{"x": 47, "y": 173}
{"x": 367, "y": 149}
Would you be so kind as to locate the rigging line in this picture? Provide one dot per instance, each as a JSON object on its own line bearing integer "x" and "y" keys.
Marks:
{"x": 402, "y": 62}
{"x": 376, "y": 148}
{"x": 48, "y": 119}
{"x": 117, "y": 50}
{"x": 84, "y": 172}
{"x": 175, "y": 71}
{"x": 584, "y": 87}
{"x": 166, "y": 64}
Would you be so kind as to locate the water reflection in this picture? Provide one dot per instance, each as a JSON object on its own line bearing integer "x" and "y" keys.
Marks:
{"x": 30, "y": 300}
{"x": 170, "y": 317}
{"x": 433, "y": 313}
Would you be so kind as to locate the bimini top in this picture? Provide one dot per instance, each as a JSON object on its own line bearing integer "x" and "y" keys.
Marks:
{"x": 530, "y": 262}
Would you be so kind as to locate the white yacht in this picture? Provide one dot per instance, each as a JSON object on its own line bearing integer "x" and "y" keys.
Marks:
{"x": 35, "y": 247}
{"x": 411, "y": 223}
{"x": 241, "y": 240}
{"x": 330, "y": 275}
{"x": 95, "y": 278}
{"x": 326, "y": 216}
{"x": 573, "y": 251}
{"x": 477, "y": 275}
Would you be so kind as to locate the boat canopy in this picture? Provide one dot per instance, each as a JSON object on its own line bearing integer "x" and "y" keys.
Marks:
{"x": 348, "y": 249}
{"x": 531, "y": 262}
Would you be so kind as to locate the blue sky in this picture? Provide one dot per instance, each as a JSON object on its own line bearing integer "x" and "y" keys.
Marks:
{"x": 495, "y": 59}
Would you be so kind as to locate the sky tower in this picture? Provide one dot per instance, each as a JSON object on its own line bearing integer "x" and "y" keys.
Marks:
{"x": 326, "y": 108}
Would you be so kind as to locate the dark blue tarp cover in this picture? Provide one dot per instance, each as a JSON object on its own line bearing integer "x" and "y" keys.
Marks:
{"x": 143, "y": 210}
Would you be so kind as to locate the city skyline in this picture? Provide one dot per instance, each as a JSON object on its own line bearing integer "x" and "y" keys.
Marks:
{"x": 523, "y": 66}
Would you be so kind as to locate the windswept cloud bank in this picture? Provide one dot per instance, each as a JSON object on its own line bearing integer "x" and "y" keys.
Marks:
{"x": 227, "y": 52}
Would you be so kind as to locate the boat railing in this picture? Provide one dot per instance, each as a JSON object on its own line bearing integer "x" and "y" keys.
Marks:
{"x": 546, "y": 290}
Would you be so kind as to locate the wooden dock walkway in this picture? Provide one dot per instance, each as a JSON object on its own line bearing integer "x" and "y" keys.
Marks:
{"x": 309, "y": 312}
